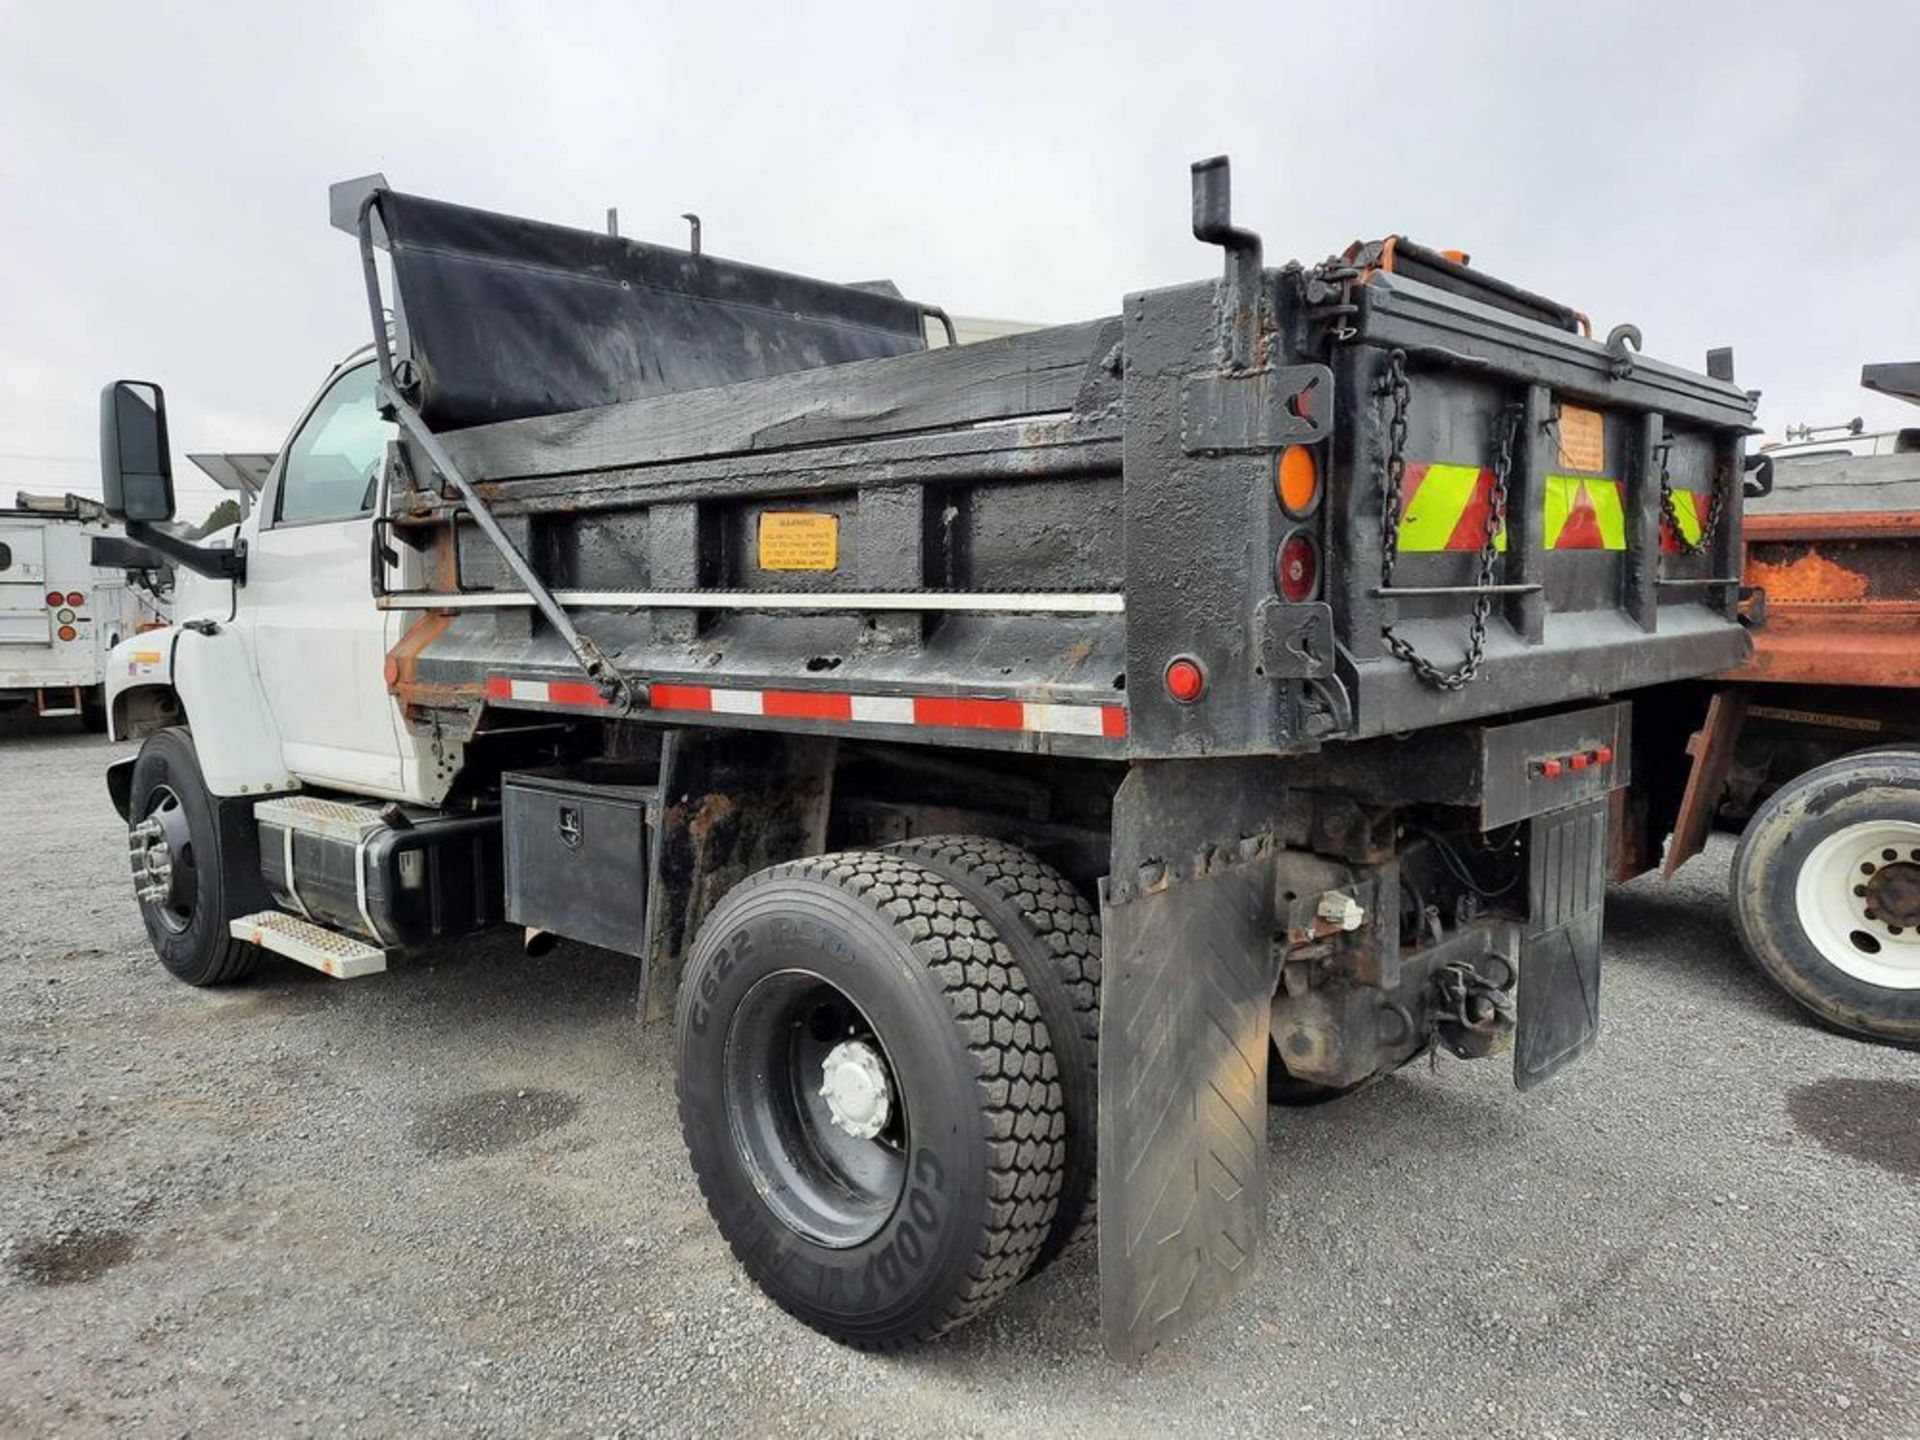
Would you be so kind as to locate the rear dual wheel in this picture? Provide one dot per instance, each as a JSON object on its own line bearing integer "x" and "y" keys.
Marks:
{"x": 870, "y": 1096}
{"x": 1826, "y": 893}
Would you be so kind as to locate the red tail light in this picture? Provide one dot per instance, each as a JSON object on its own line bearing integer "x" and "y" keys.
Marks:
{"x": 76, "y": 599}
{"x": 1296, "y": 569}
{"x": 55, "y": 599}
{"x": 1186, "y": 681}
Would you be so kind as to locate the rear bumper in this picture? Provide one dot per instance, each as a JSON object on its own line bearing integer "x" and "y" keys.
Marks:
{"x": 1584, "y": 655}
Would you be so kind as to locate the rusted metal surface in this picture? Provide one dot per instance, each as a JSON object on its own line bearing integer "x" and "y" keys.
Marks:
{"x": 1843, "y": 597}
{"x": 1712, "y": 749}
{"x": 403, "y": 668}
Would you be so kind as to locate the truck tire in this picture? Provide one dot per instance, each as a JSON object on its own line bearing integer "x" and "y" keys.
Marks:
{"x": 869, "y": 1097}
{"x": 93, "y": 711}
{"x": 1826, "y": 893}
{"x": 1055, "y": 935}
{"x": 188, "y": 929}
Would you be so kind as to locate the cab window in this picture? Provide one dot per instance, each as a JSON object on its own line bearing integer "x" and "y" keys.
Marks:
{"x": 334, "y": 460}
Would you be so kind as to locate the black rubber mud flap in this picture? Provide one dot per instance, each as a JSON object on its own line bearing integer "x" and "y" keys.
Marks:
{"x": 1560, "y": 955}
{"x": 1184, "y": 1004}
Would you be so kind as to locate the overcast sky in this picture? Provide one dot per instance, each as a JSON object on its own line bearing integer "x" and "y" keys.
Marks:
{"x": 1738, "y": 174}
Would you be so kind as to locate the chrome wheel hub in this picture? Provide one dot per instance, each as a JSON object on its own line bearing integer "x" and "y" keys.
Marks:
{"x": 854, "y": 1084}
{"x": 160, "y": 851}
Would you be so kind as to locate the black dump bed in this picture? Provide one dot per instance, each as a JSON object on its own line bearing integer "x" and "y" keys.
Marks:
{"x": 772, "y": 507}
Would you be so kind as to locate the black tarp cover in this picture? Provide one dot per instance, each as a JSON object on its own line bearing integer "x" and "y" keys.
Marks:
{"x": 504, "y": 318}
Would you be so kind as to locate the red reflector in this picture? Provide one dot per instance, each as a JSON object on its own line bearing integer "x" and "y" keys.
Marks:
{"x": 1578, "y": 762}
{"x": 1186, "y": 681}
{"x": 55, "y": 599}
{"x": 1550, "y": 769}
{"x": 76, "y": 599}
{"x": 1296, "y": 570}
{"x": 1604, "y": 755}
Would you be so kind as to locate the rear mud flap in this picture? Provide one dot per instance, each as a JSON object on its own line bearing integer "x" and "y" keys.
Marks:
{"x": 1560, "y": 955}
{"x": 1184, "y": 1004}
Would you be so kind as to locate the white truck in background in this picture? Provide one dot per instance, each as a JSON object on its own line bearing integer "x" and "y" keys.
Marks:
{"x": 59, "y": 612}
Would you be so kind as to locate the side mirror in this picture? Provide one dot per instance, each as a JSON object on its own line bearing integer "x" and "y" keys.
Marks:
{"x": 136, "y": 463}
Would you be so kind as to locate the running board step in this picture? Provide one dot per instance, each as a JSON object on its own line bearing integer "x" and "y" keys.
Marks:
{"x": 328, "y": 951}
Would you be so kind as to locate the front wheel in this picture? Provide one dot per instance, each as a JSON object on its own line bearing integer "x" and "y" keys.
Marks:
{"x": 1826, "y": 893}
{"x": 179, "y": 874}
{"x": 869, "y": 1096}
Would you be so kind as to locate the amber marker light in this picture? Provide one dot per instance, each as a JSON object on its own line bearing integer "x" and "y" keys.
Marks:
{"x": 1296, "y": 478}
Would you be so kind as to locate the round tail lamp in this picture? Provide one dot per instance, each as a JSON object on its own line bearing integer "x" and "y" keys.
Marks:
{"x": 1296, "y": 568}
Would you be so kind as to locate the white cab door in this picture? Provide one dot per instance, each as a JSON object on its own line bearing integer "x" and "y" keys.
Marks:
{"x": 319, "y": 642}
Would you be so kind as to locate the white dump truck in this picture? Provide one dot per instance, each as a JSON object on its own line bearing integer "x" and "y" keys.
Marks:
{"x": 1021, "y": 759}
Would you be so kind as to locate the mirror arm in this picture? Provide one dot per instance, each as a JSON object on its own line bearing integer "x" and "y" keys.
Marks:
{"x": 216, "y": 562}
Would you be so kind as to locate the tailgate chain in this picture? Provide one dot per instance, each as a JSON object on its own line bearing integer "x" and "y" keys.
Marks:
{"x": 1393, "y": 383}
{"x": 1708, "y": 526}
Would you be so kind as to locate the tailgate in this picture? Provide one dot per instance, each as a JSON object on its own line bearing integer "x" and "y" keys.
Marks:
{"x": 23, "y": 601}
{"x": 1616, "y": 566}
{"x": 24, "y": 616}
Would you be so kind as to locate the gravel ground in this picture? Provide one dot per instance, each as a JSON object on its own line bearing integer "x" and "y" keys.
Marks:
{"x": 452, "y": 1200}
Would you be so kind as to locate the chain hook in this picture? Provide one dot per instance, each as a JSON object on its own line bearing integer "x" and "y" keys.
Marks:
{"x": 1393, "y": 383}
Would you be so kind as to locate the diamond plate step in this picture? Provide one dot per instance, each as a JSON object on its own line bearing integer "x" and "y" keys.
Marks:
{"x": 328, "y": 951}
{"x": 307, "y": 815}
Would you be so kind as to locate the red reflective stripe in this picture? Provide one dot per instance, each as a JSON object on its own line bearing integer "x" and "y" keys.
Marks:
{"x": 682, "y": 697}
{"x": 1470, "y": 531}
{"x": 927, "y": 710}
{"x": 806, "y": 705}
{"x": 1669, "y": 542}
{"x": 1582, "y": 529}
{"x": 574, "y": 692}
{"x": 970, "y": 714}
{"x": 1410, "y": 479}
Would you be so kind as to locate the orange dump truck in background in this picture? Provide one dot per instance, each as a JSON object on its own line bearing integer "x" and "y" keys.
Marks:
{"x": 1816, "y": 738}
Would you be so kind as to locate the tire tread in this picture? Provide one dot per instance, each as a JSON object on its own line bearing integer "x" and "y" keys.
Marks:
{"x": 1066, "y": 928}
{"x": 1000, "y": 1025}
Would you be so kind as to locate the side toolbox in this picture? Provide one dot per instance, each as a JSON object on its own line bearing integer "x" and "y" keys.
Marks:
{"x": 579, "y": 852}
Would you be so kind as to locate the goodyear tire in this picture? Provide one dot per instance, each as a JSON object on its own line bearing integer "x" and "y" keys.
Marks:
{"x": 168, "y": 806}
{"x": 869, "y": 1097}
{"x": 1826, "y": 893}
{"x": 1055, "y": 935}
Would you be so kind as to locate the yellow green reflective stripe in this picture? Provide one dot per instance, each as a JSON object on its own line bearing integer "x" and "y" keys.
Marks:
{"x": 1686, "y": 510}
{"x": 1585, "y": 512}
{"x": 1436, "y": 499}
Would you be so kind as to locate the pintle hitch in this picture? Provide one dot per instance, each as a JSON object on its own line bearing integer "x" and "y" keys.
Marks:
{"x": 1468, "y": 1013}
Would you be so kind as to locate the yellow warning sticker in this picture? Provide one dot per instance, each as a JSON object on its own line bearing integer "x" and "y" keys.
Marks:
{"x": 1583, "y": 439}
{"x": 799, "y": 540}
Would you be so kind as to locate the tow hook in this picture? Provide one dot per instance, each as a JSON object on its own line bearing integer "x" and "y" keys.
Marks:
{"x": 1468, "y": 1013}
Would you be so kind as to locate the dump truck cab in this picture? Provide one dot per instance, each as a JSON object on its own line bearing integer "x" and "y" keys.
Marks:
{"x": 1013, "y": 763}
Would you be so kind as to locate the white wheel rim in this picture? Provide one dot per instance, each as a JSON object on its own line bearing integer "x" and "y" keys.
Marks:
{"x": 1834, "y": 900}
